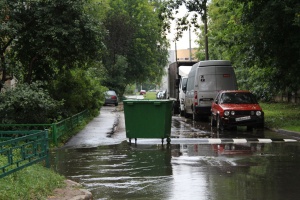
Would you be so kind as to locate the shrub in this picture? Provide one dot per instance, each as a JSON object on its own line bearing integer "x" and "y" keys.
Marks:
{"x": 28, "y": 104}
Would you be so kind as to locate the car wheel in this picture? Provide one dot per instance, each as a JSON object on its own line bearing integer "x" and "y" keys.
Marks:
{"x": 220, "y": 125}
{"x": 212, "y": 121}
{"x": 116, "y": 104}
{"x": 261, "y": 126}
{"x": 249, "y": 128}
{"x": 186, "y": 115}
{"x": 196, "y": 117}
{"x": 182, "y": 113}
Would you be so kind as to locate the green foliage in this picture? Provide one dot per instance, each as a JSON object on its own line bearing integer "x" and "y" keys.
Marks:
{"x": 48, "y": 37}
{"x": 261, "y": 38}
{"x": 282, "y": 116}
{"x": 28, "y": 104}
{"x": 135, "y": 32}
{"x": 115, "y": 75}
{"x": 130, "y": 89}
{"x": 33, "y": 182}
{"x": 80, "y": 89}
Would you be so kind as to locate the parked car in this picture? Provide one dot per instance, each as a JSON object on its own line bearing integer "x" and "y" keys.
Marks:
{"x": 161, "y": 94}
{"x": 233, "y": 108}
{"x": 111, "y": 97}
{"x": 142, "y": 92}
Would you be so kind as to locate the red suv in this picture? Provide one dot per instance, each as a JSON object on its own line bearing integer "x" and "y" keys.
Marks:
{"x": 233, "y": 108}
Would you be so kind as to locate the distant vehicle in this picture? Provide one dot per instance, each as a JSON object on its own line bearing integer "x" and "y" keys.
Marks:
{"x": 177, "y": 76}
{"x": 142, "y": 92}
{"x": 205, "y": 80}
{"x": 233, "y": 108}
{"x": 111, "y": 98}
{"x": 161, "y": 95}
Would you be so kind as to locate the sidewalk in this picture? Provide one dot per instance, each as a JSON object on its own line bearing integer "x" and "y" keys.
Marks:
{"x": 99, "y": 131}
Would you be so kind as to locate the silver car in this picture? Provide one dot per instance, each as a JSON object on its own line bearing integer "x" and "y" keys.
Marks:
{"x": 111, "y": 98}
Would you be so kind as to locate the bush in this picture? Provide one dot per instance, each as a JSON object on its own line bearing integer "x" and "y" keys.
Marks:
{"x": 28, "y": 104}
{"x": 80, "y": 89}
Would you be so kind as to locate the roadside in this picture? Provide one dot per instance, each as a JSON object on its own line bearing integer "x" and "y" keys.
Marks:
{"x": 75, "y": 191}
{"x": 111, "y": 119}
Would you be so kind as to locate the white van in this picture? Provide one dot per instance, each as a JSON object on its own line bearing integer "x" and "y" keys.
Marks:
{"x": 183, "y": 72}
{"x": 205, "y": 79}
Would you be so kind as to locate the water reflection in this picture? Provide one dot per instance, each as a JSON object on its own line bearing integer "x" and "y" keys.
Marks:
{"x": 185, "y": 171}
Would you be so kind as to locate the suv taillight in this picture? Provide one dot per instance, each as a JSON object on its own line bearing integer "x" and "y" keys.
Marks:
{"x": 113, "y": 97}
{"x": 195, "y": 98}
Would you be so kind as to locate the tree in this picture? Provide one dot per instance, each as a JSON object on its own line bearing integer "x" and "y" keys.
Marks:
{"x": 135, "y": 35}
{"x": 48, "y": 37}
{"x": 261, "y": 39}
{"x": 197, "y": 7}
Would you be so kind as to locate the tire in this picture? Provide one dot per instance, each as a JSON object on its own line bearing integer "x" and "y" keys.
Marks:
{"x": 249, "y": 128}
{"x": 213, "y": 122}
{"x": 196, "y": 117}
{"x": 116, "y": 104}
{"x": 186, "y": 115}
{"x": 182, "y": 113}
{"x": 220, "y": 125}
{"x": 261, "y": 126}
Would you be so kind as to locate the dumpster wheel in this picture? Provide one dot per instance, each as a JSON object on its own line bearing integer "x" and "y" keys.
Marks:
{"x": 168, "y": 140}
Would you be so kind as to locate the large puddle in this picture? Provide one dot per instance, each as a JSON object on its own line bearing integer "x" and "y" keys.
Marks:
{"x": 184, "y": 171}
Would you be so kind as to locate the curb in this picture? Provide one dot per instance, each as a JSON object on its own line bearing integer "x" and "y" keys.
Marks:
{"x": 72, "y": 191}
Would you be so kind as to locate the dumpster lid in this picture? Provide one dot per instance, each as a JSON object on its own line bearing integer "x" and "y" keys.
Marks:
{"x": 146, "y": 101}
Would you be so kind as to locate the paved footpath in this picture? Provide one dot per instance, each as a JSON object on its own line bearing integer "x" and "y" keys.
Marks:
{"x": 98, "y": 131}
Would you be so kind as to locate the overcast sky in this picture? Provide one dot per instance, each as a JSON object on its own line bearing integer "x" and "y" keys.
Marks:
{"x": 182, "y": 43}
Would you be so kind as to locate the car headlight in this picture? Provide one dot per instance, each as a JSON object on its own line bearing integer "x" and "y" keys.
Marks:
{"x": 232, "y": 113}
{"x": 258, "y": 113}
{"x": 226, "y": 113}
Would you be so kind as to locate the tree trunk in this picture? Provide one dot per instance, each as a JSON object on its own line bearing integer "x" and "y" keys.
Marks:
{"x": 30, "y": 69}
{"x": 205, "y": 31}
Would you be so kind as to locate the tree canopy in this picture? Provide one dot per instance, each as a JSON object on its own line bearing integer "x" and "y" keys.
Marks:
{"x": 136, "y": 35}
{"x": 81, "y": 47}
{"x": 262, "y": 39}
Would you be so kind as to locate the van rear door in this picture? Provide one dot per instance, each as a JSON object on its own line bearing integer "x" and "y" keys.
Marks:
{"x": 225, "y": 78}
{"x": 206, "y": 85}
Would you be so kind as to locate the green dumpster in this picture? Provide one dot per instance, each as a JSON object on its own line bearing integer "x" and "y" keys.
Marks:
{"x": 148, "y": 119}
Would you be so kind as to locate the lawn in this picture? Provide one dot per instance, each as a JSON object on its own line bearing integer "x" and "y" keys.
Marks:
{"x": 150, "y": 95}
{"x": 282, "y": 116}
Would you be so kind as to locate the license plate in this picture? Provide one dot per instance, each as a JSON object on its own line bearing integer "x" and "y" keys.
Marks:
{"x": 242, "y": 118}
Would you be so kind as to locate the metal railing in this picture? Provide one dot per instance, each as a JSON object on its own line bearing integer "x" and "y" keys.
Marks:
{"x": 19, "y": 149}
{"x": 56, "y": 130}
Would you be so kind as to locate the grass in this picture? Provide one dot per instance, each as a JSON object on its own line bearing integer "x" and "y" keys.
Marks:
{"x": 34, "y": 182}
{"x": 282, "y": 116}
{"x": 150, "y": 95}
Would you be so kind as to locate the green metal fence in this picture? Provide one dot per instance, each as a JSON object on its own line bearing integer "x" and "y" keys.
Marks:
{"x": 56, "y": 130}
{"x": 19, "y": 149}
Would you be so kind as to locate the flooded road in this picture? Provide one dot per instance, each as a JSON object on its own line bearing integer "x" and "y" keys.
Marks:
{"x": 192, "y": 167}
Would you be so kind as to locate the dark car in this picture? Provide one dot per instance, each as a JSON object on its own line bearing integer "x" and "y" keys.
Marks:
{"x": 232, "y": 108}
{"x": 111, "y": 98}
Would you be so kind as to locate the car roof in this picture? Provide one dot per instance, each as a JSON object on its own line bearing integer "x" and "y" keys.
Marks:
{"x": 235, "y": 91}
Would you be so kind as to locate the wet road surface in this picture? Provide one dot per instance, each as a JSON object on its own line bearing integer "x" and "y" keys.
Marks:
{"x": 198, "y": 169}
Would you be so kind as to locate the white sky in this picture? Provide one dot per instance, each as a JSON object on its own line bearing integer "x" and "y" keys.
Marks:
{"x": 182, "y": 43}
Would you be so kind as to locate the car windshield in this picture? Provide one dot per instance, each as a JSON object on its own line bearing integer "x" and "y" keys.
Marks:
{"x": 110, "y": 92}
{"x": 238, "y": 98}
